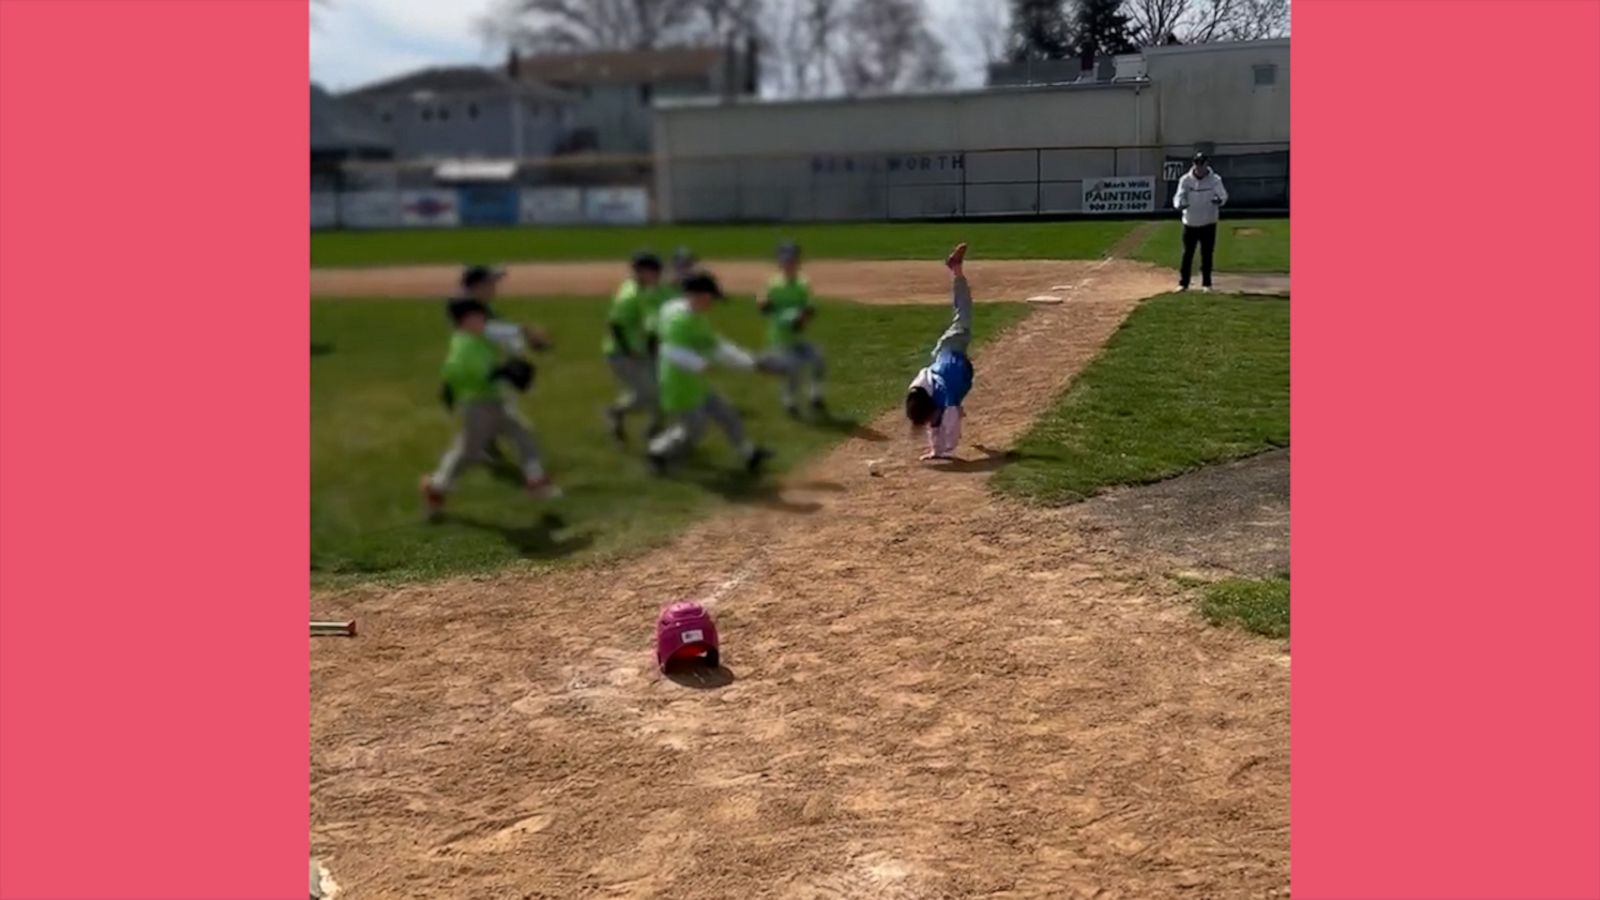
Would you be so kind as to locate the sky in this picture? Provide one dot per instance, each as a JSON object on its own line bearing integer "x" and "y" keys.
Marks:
{"x": 354, "y": 42}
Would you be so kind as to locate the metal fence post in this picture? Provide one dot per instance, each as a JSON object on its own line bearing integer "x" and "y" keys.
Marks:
{"x": 963, "y": 184}
{"x": 1038, "y": 180}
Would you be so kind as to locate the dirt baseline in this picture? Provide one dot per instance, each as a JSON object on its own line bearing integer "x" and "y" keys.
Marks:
{"x": 865, "y": 281}
{"x": 935, "y": 693}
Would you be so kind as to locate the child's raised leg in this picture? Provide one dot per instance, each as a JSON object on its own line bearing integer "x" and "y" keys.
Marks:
{"x": 958, "y": 336}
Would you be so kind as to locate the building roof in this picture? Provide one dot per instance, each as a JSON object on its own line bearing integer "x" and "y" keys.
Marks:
{"x": 337, "y": 126}
{"x": 620, "y": 66}
{"x": 458, "y": 80}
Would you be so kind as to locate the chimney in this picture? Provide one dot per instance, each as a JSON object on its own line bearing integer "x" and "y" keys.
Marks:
{"x": 513, "y": 64}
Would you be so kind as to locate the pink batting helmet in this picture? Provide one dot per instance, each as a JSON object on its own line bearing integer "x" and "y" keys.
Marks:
{"x": 685, "y": 630}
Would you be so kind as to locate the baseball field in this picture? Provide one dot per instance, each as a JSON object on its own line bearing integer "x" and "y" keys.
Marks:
{"x": 1055, "y": 667}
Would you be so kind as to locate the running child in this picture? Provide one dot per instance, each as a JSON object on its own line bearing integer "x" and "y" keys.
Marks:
{"x": 482, "y": 283}
{"x": 630, "y": 346}
{"x": 936, "y": 394}
{"x": 689, "y": 345}
{"x": 473, "y": 370}
{"x": 788, "y": 308}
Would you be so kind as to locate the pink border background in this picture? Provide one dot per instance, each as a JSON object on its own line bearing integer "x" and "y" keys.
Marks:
{"x": 1446, "y": 411}
{"x": 153, "y": 462}
{"x": 153, "y": 476}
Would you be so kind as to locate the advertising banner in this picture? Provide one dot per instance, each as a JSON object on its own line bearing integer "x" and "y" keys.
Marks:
{"x": 552, "y": 206}
{"x": 1119, "y": 195}
{"x": 424, "y": 209}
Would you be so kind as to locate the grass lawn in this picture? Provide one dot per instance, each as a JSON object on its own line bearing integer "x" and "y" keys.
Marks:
{"x": 1243, "y": 245}
{"x": 910, "y": 240}
{"x": 376, "y": 427}
{"x": 1261, "y": 606}
{"x": 1187, "y": 381}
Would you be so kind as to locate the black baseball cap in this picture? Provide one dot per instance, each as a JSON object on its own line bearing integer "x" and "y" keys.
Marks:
{"x": 461, "y": 307}
{"x": 472, "y": 276}
{"x": 644, "y": 259}
{"x": 702, "y": 283}
{"x": 788, "y": 250}
{"x": 1201, "y": 158}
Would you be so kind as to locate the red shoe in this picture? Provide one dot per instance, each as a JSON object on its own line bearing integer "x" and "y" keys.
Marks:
{"x": 542, "y": 488}
{"x": 432, "y": 499}
{"x": 953, "y": 261}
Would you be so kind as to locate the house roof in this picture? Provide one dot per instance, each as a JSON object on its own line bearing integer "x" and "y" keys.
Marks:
{"x": 620, "y": 66}
{"x": 338, "y": 126}
{"x": 458, "y": 80}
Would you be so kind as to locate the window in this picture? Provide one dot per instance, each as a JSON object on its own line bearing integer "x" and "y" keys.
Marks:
{"x": 385, "y": 116}
{"x": 644, "y": 94}
{"x": 444, "y": 113}
{"x": 472, "y": 110}
{"x": 1266, "y": 74}
{"x": 427, "y": 114}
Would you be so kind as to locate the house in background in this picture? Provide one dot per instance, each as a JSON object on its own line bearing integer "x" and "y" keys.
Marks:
{"x": 465, "y": 112}
{"x": 339, "y": 133}
{"x": 615, "y": 90}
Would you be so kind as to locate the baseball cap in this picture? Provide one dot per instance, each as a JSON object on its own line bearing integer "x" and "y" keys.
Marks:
{"x": 702, "y": 283}
{"x": 788, "y": 250}
{"x": 472, "y": 276}
{"x": 644, "y": 259}
{"x": 1201, "y": 158}
{"x": 461, "y": 307}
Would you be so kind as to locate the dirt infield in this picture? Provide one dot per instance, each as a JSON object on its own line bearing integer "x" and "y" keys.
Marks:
{"x": 866, "y": 281}
{"x": 933, "y": 692}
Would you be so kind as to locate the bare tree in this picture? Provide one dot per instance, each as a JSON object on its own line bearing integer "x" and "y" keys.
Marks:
{"x": 887, "y": 46}
{"x": 1209, "y": 22}
{"x": 982, "y": 33}
{"x": 1152, "y": 20}
{"x": 800, "y": 51}
{"x": 1254, "y": 20}
{"x": 568, "y": 25}
{"x": 1200, "y": 21}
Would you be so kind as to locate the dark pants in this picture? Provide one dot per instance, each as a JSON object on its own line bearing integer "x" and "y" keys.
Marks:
{"x": 1206, "y": 237}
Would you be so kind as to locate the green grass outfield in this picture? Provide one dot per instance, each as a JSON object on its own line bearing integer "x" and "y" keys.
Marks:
{"x": 910, "y": 240}
{"x": 1188, "y": 380}
{"x": 1258, "y": 605}
{"x": 376, "y": 427}
{"x": 1243, "y": 245}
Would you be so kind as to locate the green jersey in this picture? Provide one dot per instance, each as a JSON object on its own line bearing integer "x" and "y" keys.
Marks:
{"x": 786, "y": 302}
{"x": 684, "y": 334}
{"x": 469, "y": 367}
{"x": 633, "y": 312}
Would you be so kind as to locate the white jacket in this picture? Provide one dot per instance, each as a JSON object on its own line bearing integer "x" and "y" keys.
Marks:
{"x": 1201, "y": 199}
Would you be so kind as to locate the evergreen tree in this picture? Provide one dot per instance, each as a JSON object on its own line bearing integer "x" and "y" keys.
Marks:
{"x": 1040, "y": 29}
{"x": 1102, "y": 30}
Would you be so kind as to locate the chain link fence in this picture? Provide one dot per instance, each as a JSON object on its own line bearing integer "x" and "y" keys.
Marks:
{"x": 1033, "y": 181}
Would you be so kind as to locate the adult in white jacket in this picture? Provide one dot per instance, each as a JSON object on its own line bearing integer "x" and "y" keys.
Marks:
{"x": 1200, "y": 197}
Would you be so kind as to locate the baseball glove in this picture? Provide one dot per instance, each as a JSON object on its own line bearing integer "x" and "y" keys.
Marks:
{"x": 516, "y": 372}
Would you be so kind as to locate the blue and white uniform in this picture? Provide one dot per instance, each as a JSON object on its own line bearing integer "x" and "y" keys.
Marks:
{"x": 948, "y": 378}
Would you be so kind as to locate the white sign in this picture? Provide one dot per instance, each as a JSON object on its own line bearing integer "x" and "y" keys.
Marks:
{"x": 476, "y": 170}
{"x": 1119, "y": 195}
{"x": 369, "y": 209}
{"x": 617, "y": 206}
{"x": 552, "y": 206}
{"x": 1172, "y": 170}
{"x": 324, "y": 209}
{"x": 429, "y": 208}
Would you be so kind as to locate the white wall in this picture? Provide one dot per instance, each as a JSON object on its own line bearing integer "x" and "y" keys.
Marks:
{"x": 951, "y": 154}
{"x": 1098, "y": 115}
{"x": 1207, "y": 92}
